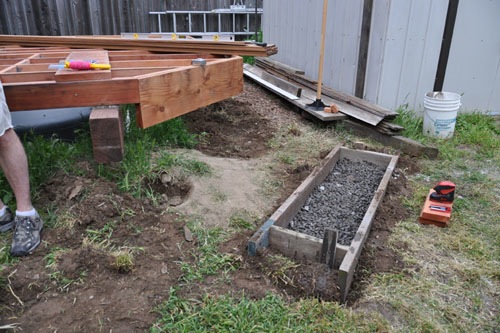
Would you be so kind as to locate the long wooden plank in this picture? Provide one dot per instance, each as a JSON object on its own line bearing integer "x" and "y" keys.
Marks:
{"x": 406, "y": 145}
{"x": 277, "y": 90}
{"x": 175, "y": 92}
{"x": 274, "y": 81}
{"x": 300, "y": 246}
{"x": 110, "y": 43}
{"x": 350, "y": 261}
{"x": 48, "y": 95}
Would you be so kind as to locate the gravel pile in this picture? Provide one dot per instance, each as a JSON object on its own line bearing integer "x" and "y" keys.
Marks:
{"x": 340, "y": 202}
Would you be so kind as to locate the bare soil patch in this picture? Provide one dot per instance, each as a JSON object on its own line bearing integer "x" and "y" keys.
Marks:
{"x": 101, "y": 297}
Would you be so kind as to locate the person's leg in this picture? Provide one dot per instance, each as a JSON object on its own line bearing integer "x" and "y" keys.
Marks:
{"x": 27, "y": 223}
{"x": 14, "y": 164}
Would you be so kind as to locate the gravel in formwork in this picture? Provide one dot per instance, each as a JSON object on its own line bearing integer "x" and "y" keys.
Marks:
{"x": 340, "y": 202}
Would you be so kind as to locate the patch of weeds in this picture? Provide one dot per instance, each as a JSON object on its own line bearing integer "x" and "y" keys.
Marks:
{"x": 278, "y": 269}
{"x": 208, "y": 259}
{"x": 141, "y": 145}
{"x": 269, "y": 314}
{"x": 242, "y": 220}
{"x": 65, "y": 220}
{"x": 294, "y": 129}
{"x": 412, "y": 123}
{"x": 123, "y": 261}
{"x": 217, "y": 195}
{"x": 63, "y": 282}
{"x": 100, "y": 238}
{"x": 167, "y": 161}
{"x": 286, "y": 159}
{"x": 5, "y": 257}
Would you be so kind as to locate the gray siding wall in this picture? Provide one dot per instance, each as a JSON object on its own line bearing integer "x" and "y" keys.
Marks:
{"x": 403, "y": 51}
{"x": 295, "y": 26}
{"x": 474, "y": 66}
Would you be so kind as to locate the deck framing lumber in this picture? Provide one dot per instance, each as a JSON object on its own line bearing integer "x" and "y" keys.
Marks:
{"x": 163, "y": 86}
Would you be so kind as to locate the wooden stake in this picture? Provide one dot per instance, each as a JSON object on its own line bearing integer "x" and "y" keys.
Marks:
{"x": 329, "y": 246}
{"x": 322, "y": 50}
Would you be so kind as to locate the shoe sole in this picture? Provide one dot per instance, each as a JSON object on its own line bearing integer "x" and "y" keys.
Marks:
{"x": 6, "y": 227}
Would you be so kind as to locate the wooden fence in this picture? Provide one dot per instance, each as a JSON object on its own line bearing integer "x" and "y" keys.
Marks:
{"x": 98, "y": 17}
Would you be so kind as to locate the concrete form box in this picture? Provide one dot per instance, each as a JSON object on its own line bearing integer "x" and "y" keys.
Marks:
{"x": 275, "y": 233}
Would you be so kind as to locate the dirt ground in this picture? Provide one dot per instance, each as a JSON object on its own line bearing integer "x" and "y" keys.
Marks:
{"x": 100, "y": 297}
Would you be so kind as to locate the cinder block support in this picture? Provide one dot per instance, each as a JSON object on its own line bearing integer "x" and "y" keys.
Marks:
{"x": 106, "y": 130}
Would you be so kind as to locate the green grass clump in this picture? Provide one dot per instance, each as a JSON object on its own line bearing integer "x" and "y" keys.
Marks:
{"x": 270, "y": 314}
{"x": 141, "y": 145}
{"x": 452, "y": 278}
{"x": 208, "y": 260}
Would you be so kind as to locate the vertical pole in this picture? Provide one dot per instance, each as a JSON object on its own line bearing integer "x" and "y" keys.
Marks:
{"x": 322, "y": 50}
{"x": 449, "y": 26}
{"x": 256, "y": 27}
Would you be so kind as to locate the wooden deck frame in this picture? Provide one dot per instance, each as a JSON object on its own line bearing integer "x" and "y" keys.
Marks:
{"x": 275, "y": 234}
{"x": 163, "y": 86}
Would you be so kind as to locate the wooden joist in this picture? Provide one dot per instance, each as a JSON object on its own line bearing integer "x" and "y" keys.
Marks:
{"x": 163, "y": 86}
{"x": 153, "y": 45}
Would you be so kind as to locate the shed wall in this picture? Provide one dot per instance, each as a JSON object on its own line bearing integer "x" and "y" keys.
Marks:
{"x": 405, "y": 40}
{"x": 474, "y": 65}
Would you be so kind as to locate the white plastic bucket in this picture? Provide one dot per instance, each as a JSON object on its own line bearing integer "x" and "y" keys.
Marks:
{"x": 440, "y": 113}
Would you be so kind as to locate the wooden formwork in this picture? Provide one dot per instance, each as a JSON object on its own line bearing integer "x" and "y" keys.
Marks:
{"x": 275, "y": 234}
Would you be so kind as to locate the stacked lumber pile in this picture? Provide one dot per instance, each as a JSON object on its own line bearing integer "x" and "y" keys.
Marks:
{"x": 366, "y": 112}
{"x": 152, "y": 45}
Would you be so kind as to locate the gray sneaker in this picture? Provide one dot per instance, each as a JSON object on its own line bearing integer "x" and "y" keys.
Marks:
{"x": 26, "y": 235}
{"x": 6, "y": 221}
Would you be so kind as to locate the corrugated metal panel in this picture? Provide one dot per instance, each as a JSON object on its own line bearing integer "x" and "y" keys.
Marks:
{"x": 404, "y": 50}
{"x": 295, "y": 26}
{"x": 474, "y": 61}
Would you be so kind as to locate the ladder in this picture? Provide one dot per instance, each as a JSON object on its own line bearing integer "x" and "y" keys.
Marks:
{"x": 233, "y": 11}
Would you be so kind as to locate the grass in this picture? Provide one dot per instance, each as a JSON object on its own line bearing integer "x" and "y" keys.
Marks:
{"x": 452, "y": 280}
{"x": 270, "y": 314}
{"x": 452, "y": 277}
{"x": 144, "y": 156}
{"x": 207, "y": 258}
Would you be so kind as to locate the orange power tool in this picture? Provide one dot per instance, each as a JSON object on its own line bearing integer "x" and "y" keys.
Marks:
{"x": 445, "y": 192}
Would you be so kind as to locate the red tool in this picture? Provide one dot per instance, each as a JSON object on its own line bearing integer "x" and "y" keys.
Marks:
{"x": 445, "y": 192}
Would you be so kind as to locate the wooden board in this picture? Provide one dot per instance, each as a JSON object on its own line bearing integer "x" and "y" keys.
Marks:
{"x": 152, "y": 45}
{"x": 272, "y": 82}
{"x": 350, "y": 261}
{"x": 299, "y": 246}
{"x": 106, "y": 130}
{"x": 406, "y": 145}
{"x": 306, "y": 97}
{"x": 172, "y": 93}
{"x": 96, "y": 56}
{"x": 274, "y": 232}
